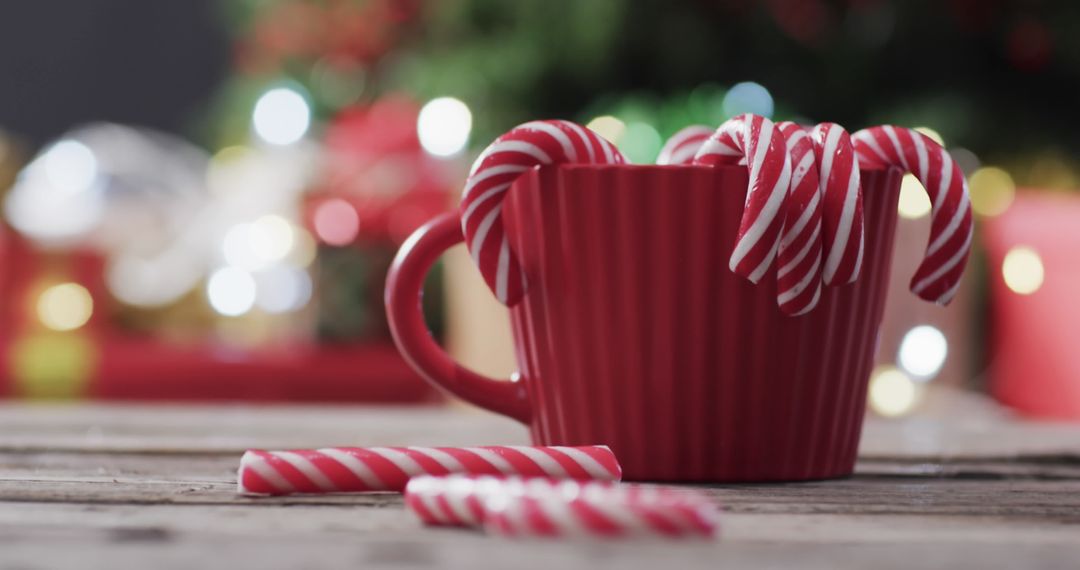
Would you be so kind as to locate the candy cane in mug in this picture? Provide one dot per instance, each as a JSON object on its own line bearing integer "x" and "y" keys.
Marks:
{"x": 683, "y": 145}
{"x": 798, "y": 274}
{"x": 363, "y": 469}
{"x": 951, "y": 229}
{"x": 756, "y": 139}
{"x": 522, "y": 148}
{"x": 841, "y": 194}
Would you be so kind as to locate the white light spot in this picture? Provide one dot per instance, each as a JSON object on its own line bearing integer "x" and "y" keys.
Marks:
{"x": 70, "y": 166}
{"x": 444, "y": 125}
{"x": 282, "y": 116}
{"x": 1023, "y": 270}
{"x": 271, "y": 237}
{"x": 914, "y": 203}
{"x": 231, "y": 291}
{"x": 923, "y": 351}
{"x": 282, "y": 289}
{"x": 892, "y": 393}
{"x": 65, "y": 307}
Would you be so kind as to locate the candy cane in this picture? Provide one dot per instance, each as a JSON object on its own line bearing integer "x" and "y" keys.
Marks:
{"x": 951, "y": 228}
{"x": 361, "y": 469}
{"x": 755, "y": 138}
{"x": 683, "y": 145}
{"x": 572, "y": 509}
{"x": 525, "y": 146}
{"x": 842, "y": 209}
{"x": 798, "y": 273}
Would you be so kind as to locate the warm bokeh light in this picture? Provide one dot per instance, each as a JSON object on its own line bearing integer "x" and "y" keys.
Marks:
{"x": 303, "y": 250}
{"x": 640, "y": 143}
{"x": 281, "y": 116}
{"x": 923, "y": 351}
{"x": 231, "y": 291}
{"x": 444, "y": 126}
{"x": 914, "y": 203}
{"x": 992, "y": 191}
{"x": 336, "y": 222}
{"x": 748, "y": 97}
{"x": 611, "y": 128}
{"x": 1023, "y": 270}
{"x": 892, "y": 393}
{"x": 934, "y": 135}
{"x": 65, "y": 307}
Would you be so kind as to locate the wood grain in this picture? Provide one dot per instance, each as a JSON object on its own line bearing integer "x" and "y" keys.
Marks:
{"x": 94, "y": 486}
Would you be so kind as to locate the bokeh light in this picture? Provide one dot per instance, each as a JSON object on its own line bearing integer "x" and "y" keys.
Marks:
{"x": 892, "y": 393}
{"x": 914, "y": 203}
{"x": 992, "y": 191}
{"x": 922, "y": 352}
{"x": 336, "y": 222}
{"x": 1023, "y": 270}
{"x": 281, "y": 289}
{"x": 933, "y": 134}
{"x": 444, "y": 126}
{"x": 258, "y": 244}
{"x": 65, "y": 307}
{"x": 231, "y": 291}
{"x": 609, "y": 127}
{"x": 640, "y": 143}
{"x": 70, "y": 166}
{"x": 748, "y": 97}
{"x": 282, "y": 116}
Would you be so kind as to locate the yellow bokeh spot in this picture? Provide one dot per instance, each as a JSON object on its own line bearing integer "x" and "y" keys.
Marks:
{"x": 303, "y": 249}
{"x": 611, "y": 128}
{"x": 1023, "y": 270}
{"x": 992, "y": 191}
{"x": 65, "y": 307}
{"x": 52, "y": 365}
{"x": 892, "y": 393}
{"x": 914, "y": 203}
{"x": 934, "y": 135}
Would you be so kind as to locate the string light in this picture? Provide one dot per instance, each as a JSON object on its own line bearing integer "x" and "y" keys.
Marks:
{"x": 231, "y": 291}
{"x": 281, "y": 116}
{"x": 922, "y": 352}
{"x": 748, "y": 97}
{"x": 892, "y": 393}
{"x": 65, "y": 307}
{"x": 336, "y": 222}
{"x": 1023, "y": 270}
{"x": 444, "y": 126}
{"x": 609, "y": 127}
{"x": 992, "y": 191}
{"x": 914, "y": 203}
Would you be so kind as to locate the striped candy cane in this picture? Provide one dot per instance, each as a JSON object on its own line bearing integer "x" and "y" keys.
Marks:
{"x": 361, "y": 469}
{"x": 459, "y": 499}
{"x": 756, "y": 139}
{"x": 572, "y": 509}
{"x": 524, "y": 147}
{"x": 842, "y": 196}
{"x": 951, "y": 229}
{"x": 798, "y": 274}
{"x": 683, "y": 145}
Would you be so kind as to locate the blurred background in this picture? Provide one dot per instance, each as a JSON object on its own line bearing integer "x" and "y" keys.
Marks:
{"x": 201, "y": 198}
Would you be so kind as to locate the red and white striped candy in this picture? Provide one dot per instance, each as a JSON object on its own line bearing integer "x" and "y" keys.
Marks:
{"x": 570, "y": 509}
{"x": 460, "y": 499}
{"x": 798, "y": 274}
{"x": 951, "y": 229}
{"x": 524, "y": 147}
{"x": 683, "y": 145}
{"x": 756, "y": 139}
{"x": 841, "y": 194}
{"x": 361, "y": 469}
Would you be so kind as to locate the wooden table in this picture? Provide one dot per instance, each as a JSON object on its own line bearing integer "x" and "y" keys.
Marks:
{"x": 96, "y": 486}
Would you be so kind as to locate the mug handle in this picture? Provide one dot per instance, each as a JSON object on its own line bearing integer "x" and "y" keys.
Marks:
{"x": 404, "y": 287}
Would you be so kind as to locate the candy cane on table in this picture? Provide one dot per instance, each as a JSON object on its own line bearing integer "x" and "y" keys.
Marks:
{"x": 755, "y": 138}
{"x": 683, "y": 145}
{"x": 520, "y": 149}
{"x": 951, "y": 228}
{"x": 841, "y": 193}
{"x": 361, "y": 469}
{"x": 798, "y": 274}
{"x": 570, "y": 509}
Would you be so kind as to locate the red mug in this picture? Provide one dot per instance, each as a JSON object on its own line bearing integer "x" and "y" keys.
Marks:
{"x": 635, "y": 334}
